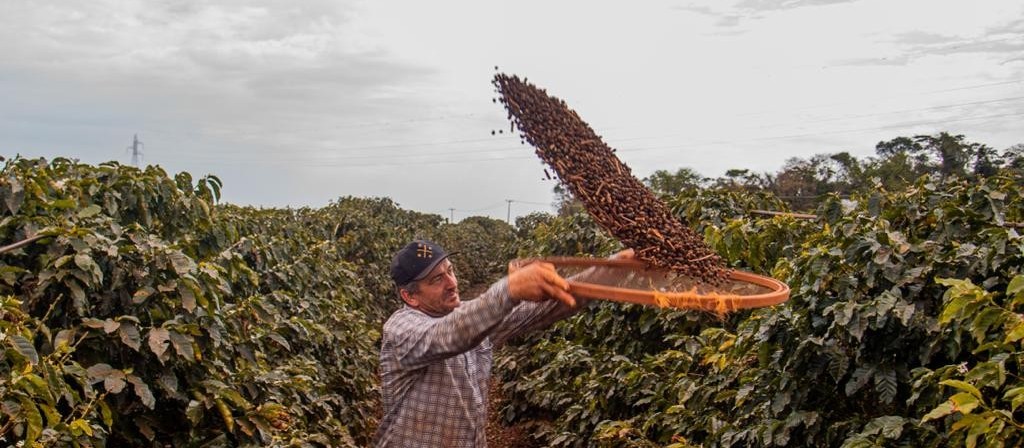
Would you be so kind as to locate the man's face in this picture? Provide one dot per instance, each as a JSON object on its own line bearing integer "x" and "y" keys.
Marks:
{"x": 439, "y": 291}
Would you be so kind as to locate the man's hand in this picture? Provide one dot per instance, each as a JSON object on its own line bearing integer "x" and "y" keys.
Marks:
{"x": 626, "y": 254}
{"x": 537, "y": 282}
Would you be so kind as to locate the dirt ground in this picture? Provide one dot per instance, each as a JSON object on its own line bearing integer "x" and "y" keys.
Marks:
{"x": 499, "y": 435}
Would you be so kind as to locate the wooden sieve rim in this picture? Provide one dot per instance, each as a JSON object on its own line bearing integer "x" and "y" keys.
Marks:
{"x": 779, "y": 291}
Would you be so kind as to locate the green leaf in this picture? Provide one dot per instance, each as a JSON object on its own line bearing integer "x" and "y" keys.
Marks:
{"x": 106, "y": 414}
{"x": 93, "y": 323}
{"x": 86, "y": 263}
{"x": 52, "y": 416}
{"x": 182, "y": 263}
{"x": 952, "y": 309}
{"x": 14, "y": 200}
{"x": 111, "y": 325}
{"x": 991, "y": 374}
{"x": 979, "y": 427}
{"x": 960, "y": 385}
{"x": 1015, "y": 334}
{"x": 63, "y": 339}
{"x": 89, "y": 212}
{"x": 142, "y": 391}
{"x": 1016, "y": 397}
{"x": 64, "y": 204}
{"x": 964, "y": 402}
{"x": 11, "y": 409}
{"x": 25, "y": 348}
{"x": 943, "y": 409}
{"x": 235, "y": 398}
{"x": 965, "y": 422}
{"x": 194, "y": 412}
{"x": 280, "y": 340}
{"x": 838, "y": 363}
{"x": 142, "y": 294}
{"x": 35, "y": 385}
{"x": 130, "y": 335}
{"x": 97, "y": 372}
{"x": 33, "y": 419}
{"x": 159, "y": 341}
{"x": 114, "y": 382}
{"x": 985, "y": 320}
{"x": 889, "y": 426}
{"x": 1016, "y": 286}
{"x": 905, "y": 311}
{"x": 885, "y": 385}
{"x": 77, "y": 294}
{"x": 188, "y": 297}
{"x": 183, "y": 345}
{"x": 80, "y": 427}
{"x": 860, "y": 377}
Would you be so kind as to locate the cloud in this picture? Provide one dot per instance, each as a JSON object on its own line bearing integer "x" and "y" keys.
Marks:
{"x": 911, "y": 46}
{"x": 727, "y": 17}
{"x": 734, "y": 15}
{"x": 229, "y": 69}
{"x": 776, "y": 5}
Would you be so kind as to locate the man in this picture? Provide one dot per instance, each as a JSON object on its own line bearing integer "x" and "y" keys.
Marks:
{"x": 436, "y": 352}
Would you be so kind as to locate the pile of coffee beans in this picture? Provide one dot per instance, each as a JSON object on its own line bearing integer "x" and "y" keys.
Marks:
{"x": 595, "y": 176}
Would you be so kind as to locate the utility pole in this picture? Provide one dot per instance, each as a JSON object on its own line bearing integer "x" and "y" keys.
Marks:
{"x": 135, "y": 150}
{"x": 508, "y": 214}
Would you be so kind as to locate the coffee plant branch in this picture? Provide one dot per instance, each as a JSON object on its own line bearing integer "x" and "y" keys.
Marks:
{"x": 791, "y": 215}
{"x": 810, "y": 216}
{"x": 22, "y": 243}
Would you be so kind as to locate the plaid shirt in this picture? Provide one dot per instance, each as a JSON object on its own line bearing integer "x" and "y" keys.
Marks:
{"x": 434, "y": 370}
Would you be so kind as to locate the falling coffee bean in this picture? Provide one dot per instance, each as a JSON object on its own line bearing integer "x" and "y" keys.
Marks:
{"x": 591, "y": 171}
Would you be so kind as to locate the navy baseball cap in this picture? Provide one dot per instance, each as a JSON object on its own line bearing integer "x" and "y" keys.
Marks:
{"x": 416, "y": 260}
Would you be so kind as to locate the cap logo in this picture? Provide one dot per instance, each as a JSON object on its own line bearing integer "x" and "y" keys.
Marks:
{"x": 423, "y": 251}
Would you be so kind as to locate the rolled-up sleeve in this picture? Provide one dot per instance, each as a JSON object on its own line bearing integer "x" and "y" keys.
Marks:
{"x": 414, "y": 339}
{"x": 532, "y": 316}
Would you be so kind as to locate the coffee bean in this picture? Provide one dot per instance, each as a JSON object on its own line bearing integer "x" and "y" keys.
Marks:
{"x": 591, "y": 171}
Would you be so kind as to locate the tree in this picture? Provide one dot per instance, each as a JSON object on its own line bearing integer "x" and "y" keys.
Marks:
{"x": 951, "y": 151}
{"x": 850, "y": 170}
{"x": 664, "y": 182}
{"x": 797, "y": 183}
{"x": 744, "y": 180}
{"x": 1013, "y": 158}
{"x": 899, "y": 162}
{"x": 565, "y": 203}
{"x": 986, "y": 161}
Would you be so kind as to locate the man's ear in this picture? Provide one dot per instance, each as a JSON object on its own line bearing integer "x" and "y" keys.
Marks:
{"x": 408, "y": 298}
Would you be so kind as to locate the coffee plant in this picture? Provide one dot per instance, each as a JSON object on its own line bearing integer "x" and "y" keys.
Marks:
{"x": 903, "y": 329}
{"x": 137, "y": 312}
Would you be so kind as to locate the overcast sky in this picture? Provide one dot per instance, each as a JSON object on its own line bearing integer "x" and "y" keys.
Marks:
{"x": 296, "y": 103}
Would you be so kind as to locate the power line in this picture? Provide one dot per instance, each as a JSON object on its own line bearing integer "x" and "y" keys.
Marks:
{"x": 676, "y": 146}
{"x": 816, "y": 134}
{"x": 508, "y": 149}
{"x": 491, "y": 207}
{"x": 927, "y": 92}
{"x": 479, "y": 140}
{"x": 946, "y": 106}
{"x": 508, "y": 216}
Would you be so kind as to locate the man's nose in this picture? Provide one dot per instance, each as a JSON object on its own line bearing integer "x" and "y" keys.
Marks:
{"x": 450, "y": 280}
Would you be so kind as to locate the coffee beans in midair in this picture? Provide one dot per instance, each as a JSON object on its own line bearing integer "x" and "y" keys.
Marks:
{"x": 595, "y": 176}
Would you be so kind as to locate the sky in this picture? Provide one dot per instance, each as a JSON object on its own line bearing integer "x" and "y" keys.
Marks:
{"x": 298, "y": 103}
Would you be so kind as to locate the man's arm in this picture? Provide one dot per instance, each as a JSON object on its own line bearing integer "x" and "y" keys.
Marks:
{"x": 531, "y": 316}
{"x": 415, "y": 340}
